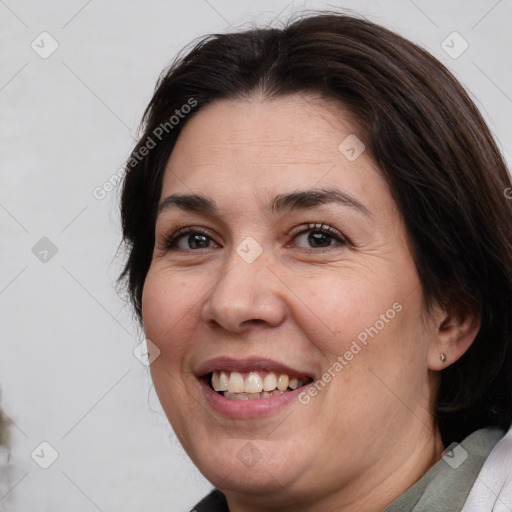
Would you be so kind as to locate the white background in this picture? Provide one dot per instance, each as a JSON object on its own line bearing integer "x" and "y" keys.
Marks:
{"x": 67, "y": 123}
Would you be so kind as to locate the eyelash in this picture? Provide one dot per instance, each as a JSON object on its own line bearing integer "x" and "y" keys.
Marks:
{"x": 316, "y": 227}
{"x": 171, "y": 239}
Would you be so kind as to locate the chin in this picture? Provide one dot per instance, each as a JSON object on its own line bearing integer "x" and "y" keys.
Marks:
{"x": 245, "y": 466}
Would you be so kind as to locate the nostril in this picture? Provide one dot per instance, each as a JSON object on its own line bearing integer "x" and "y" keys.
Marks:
{"x": 253, "y": 321}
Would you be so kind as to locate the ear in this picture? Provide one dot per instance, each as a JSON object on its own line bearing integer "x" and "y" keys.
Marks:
{"x": 455, "y": 333}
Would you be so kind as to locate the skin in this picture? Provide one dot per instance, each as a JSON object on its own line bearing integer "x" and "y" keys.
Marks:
{"x": 369, "y": 434}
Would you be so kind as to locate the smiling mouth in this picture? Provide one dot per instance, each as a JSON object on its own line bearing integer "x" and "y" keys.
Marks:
{"x": 253, "y": 385}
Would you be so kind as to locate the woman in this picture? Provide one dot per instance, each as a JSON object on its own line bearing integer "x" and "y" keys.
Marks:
{"x": 320, "y": 247}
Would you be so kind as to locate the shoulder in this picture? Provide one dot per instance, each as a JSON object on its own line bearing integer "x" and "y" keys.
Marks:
{"x": 492, "y": 490}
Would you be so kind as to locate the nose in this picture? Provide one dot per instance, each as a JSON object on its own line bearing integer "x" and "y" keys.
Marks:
{"x": 245, "y": 295}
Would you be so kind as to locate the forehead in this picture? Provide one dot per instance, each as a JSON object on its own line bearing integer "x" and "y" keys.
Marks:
{"x": 255, "y": 143}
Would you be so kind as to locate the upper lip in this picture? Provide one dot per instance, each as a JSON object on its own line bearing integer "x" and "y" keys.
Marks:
{"x": 248, "y": 364}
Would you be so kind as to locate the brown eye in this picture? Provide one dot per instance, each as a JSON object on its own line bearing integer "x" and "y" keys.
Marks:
{"x": 194, "y": 241}
{"x": 319, "y": 237}
{"x": 190, "y": 239}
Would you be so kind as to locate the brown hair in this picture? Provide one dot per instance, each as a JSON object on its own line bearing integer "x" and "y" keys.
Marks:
{"x": 425, "y": 134}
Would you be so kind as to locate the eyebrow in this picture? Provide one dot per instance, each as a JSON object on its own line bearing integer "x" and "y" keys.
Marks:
{"x": 298, "y": 200}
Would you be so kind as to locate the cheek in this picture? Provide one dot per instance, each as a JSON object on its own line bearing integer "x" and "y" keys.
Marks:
{"x": 370, "y": 322}
{"x": 168, "y": 312}
{"x": 340, "y": 307}
{"x": 169, "y": 320}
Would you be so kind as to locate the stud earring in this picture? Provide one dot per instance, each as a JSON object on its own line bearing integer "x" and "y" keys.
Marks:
{"x": 443, "y": 358}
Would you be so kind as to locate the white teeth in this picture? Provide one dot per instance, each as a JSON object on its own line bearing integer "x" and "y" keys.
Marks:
{"x": 223, "y": 381}
{"x": 236, "y": 396}
{"x": 270, "y": 382}
{"x": 253, "y": 383}
{"x": 232, "y": 384}
{"x": 220, "y": 381}
{"x": 294, "y": 383}
{"x": 282, "y": 382}
{"x": 252, "y": 396}
{"x": 236, "y": 383}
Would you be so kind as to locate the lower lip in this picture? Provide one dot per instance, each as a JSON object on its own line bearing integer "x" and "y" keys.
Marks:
{"x": 248, "y": 408}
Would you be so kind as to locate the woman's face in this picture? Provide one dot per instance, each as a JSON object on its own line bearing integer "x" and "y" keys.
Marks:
{"x": 280, "y": 251}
